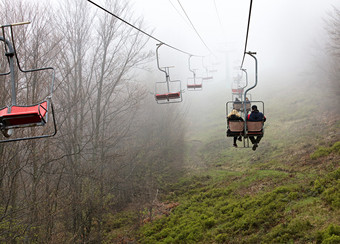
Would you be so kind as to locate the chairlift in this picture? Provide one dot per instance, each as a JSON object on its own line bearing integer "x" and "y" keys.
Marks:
{"x": 237, "y": 94}
{"x": 208, "y": 76}
{"x": 15, "y": 116}
{"x": 245, "y": 128}
{"x": 236, "y": 88}
{"x": 194, "y": 83}
{"x": 168, "y": 91}
{"x": 213, "y": 70}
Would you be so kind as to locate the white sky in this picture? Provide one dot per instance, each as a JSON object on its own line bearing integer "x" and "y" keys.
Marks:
{"x": 282, "y": 32}
{"x": 281, "y": 29}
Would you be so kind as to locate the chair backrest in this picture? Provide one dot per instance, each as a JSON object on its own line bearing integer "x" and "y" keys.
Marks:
{"x": 236, "y": 126}
{"x": 254, "y": 125}
{"x": 237, "y": 105}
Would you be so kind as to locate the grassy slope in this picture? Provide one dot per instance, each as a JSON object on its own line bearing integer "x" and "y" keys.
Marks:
{"x": 286, "y": 191}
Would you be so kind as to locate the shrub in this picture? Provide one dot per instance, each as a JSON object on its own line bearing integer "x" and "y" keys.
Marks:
{"x": 320, "y": 152}
{"x": 336, "y": 147}
{"x": 324, "y": 151}
{"x": 209, "y": 223}
{"x": 329, "y": 236}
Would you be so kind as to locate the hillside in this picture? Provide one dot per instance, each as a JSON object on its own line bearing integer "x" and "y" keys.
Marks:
{"x": 288, "y": 191}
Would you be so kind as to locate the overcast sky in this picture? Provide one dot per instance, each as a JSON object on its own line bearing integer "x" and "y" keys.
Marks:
{"x": 281, "y": 31}
{"x": 284, "y": 33}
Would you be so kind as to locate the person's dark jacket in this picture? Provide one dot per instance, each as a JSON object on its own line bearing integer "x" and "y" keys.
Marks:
{"x": 234, "y": 118}
{"x": 256, "y": 116}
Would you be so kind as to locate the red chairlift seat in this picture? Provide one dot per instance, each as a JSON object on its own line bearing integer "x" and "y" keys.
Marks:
{"x": 167, "y": 96}
{"x": 207, "y": 78}
{"x": 194, "y": 86}
{"x": 23, "y": 116}
{"x": 237, "y": 91}
{"x": 174, "y": 95}
{"x": 161, "y": 96}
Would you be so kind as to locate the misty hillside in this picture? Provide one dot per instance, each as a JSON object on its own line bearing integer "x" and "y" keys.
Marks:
{"x": 286, "y": 191}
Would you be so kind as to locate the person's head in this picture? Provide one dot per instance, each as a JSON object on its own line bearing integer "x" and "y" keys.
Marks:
{"x": 234, "y": 112}
{"x": 254, "y": 108}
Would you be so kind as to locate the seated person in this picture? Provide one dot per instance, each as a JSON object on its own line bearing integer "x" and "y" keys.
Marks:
{"x": 255, "y": 115}
{"x": 235, "y": 116}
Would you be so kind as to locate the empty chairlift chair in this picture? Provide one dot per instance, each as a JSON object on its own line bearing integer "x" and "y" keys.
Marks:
{"x": 194, "y": 83}
{"x": 16, "y": 116}
{"x": 168, "y": 91}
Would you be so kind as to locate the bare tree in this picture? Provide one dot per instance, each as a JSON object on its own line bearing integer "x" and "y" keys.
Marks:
{"x": 333, "y": 27}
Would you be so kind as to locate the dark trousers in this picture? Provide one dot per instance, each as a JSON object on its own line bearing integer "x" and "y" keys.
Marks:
{"x": 253, "y": 140}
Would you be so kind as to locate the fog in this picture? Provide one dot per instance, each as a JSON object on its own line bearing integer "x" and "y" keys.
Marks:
{"x": 281, "y": 32}
{"x": 287, "y": 35}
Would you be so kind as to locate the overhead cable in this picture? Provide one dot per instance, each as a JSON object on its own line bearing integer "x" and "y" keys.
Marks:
{"x": 246, "y": 42}
{"x": 138, "y": 29}
{"x": 195, "y": 28}
{"x": 185, "y": 20}
{"x": 218, "y": 16}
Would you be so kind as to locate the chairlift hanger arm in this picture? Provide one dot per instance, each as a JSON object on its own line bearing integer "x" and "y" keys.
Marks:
{"x": 252, "y": 54}
{"x": 190, "y": 66}
{"x": 12, "y": 48}
{"x": 245, "y": 71}
{"x": 163, "y": 70}
{"x": 15, "y": 24}
{"x": 203, "y": 65}
{"x": 9, "y": 53}
{"x": 16, "y": 56}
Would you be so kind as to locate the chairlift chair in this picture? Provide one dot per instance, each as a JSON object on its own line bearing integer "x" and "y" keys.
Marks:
{"x": 168, "y": 91}
{"x": 15, "y": 116}
{"x": 194, "y": 83}
{"x": 245, "y": 128}
{"x": 207, "y": 77}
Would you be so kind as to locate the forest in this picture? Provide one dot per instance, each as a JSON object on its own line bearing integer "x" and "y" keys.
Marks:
{"x": 123, "y": 169}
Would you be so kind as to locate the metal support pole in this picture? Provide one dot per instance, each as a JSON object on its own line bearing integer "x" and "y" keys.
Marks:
{"x": 245, "y": 71}
{"x": 166, "y": 70}
{"x": 192, "y": 70}
{"x": 245, "y": 94}
{"x": 10, "y": 55}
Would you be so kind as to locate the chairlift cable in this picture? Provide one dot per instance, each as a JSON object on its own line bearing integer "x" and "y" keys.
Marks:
{"x": 195, "y": 28}
{"x": 246, "y": 42}
{"x": 140, "y": 30}
{"x": 185, "y": 20}
{"x": 218, "y": 16}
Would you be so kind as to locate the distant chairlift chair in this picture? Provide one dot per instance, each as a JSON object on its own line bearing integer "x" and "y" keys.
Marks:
{"x": 207, "y": 77}
{"x": 194, "y": 83}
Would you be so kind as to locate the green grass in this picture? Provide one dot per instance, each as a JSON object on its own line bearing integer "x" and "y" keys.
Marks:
{"x": 287, "y": 191}
{"x": 220, "y": 213}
